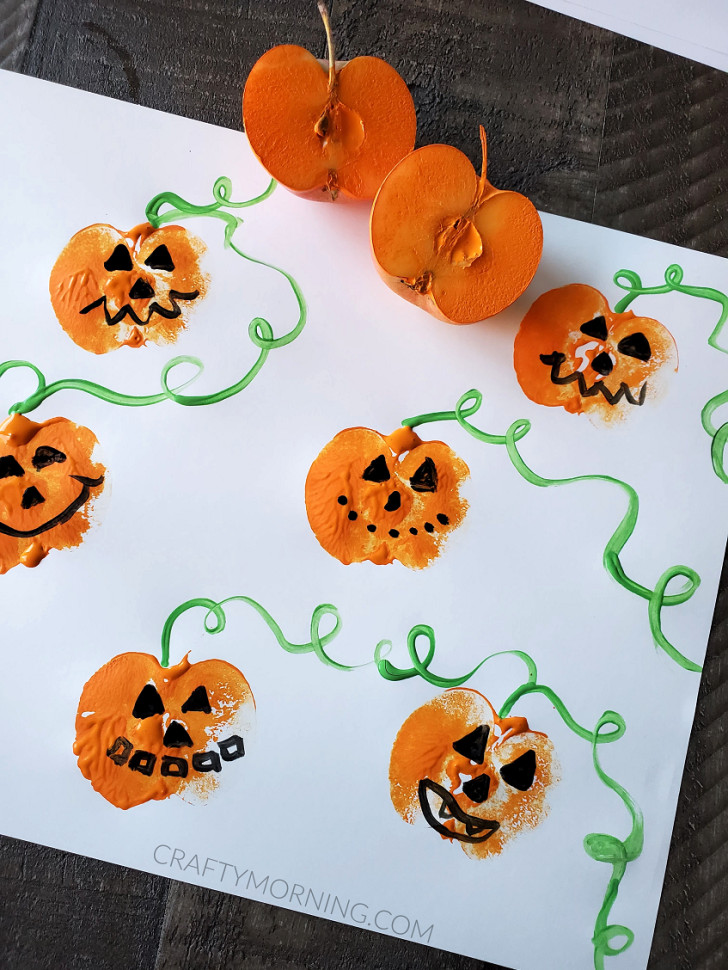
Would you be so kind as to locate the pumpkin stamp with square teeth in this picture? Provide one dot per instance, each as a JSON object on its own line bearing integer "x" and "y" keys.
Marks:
{"x": 145, "y": 732}
{"x": 377, "y": 498}
{"x": 476, "y": 779}
{"x": 48, "y": 484}
{"x": 573, "y": 351}
{"x": 111, "y": 289}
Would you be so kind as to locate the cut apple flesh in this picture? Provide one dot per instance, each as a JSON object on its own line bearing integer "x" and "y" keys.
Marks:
{"x": 324, "y": 140}
{"x": 449, "y": 241}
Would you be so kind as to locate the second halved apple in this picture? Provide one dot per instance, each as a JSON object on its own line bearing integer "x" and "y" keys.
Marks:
{"x": 447, "y": 240}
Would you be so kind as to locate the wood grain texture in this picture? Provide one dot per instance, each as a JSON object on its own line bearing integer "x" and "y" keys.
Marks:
{"x": 664, "y": 156}
{"x": 64, "y": 911}
{"x": 16, "y": 19}
{"x": 188, "y": 57}
{"x": 536, "y": 80}
{"x": 205, "y": 930}
{"x": 591, "y": 125}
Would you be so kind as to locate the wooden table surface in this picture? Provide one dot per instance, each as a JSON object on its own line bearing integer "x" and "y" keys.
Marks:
{"x": 590, "y": 125}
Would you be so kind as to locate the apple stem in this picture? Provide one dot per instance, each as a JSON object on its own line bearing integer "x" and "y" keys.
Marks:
{"x": 329, "y": 43}
{"x": 484, "y": 147}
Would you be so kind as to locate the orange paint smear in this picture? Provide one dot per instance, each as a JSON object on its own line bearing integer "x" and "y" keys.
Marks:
{"x": 41, "y": 461}
{"x": 406, "y": 516}
{"x": 423, "y": 749}
{"x": 556, "y": 323}
{"x": 105, "y": 714}
{"x": 146, "y": 280}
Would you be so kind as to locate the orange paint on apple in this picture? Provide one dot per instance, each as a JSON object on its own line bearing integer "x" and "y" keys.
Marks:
{"x": 448, "y": 241}
{"x": 327, "y": 134}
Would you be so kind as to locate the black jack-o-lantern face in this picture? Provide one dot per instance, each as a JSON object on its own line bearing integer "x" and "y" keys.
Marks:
{"x": 146, "y": 732}
{"x": 573, "y": 351}
{"x": 111, "y": 289}
{"x": 475, "y": 778}
{"x": 376, "y": 498}
{"x": 49, "y": 480}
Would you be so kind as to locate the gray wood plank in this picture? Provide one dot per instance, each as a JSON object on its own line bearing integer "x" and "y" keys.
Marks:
{"x": 536, "y": 80}
{"x": 16, "y": 19}
{"x": 189, "y": 57}
{"x": 207, "y": 930}
{"x": 61, "y": 910}
{"x": 664, "y": 166}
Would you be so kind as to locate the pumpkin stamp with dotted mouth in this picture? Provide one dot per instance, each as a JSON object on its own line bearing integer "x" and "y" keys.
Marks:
{"x": 145, "y": 732}
{"x": 476, "y": 779}
{"x": 573, "y": 351}
{"x": 377, "y": 498}
{"x": 111, "y": 289}
{"x": 48, "y": 483}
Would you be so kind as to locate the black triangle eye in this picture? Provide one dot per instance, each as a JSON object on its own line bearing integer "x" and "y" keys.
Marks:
{"x": 45, "y": 456}
{"x": 477, "y": 788}
{"x": 521, "y": 772}
{"x": 377, "y": 470}
{"x": 425, "y": 478}
{"x": 595, "y": 328}
{"x": 472, "y": 746}
{"x": 148, "y": 702}
{"x": 159, "y": 259}
{"x": 119, "y": 259}
{"x": 635, "y": 345}
{"x": 10, "y": 467}
{"x": 197, "y": 701}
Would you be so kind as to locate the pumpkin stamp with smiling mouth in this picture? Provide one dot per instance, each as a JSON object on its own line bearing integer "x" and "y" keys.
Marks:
{"x": 476, "y": 779}
{"x": 573, "y": 351}
{"x": 48, "y": 483}
{"x": 377, "y": 498}
{"x": 145, "y": 732}
{"x": 111, "y": 289}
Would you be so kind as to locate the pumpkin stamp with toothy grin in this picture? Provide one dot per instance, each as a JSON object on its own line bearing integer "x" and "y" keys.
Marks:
{"x": 573, "y": 351}
{"x": 477, "y": 779}
{"x": 111, "y": 289}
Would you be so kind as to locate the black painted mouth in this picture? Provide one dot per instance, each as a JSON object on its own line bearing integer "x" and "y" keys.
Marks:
{"x": 64, "y": 516}
{"x": 231, "y": 749}
{"x": 556, "y": 359}
{"x": 476, "y": 829}
{"x": 169, "y": 313}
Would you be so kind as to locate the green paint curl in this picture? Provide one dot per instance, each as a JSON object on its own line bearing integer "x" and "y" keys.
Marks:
{"x": 630, "y": 281}
{"x": 260, "y": 331}
{"x": 658, "y": 597}
{"x": 609, "y": 728}
{"x": 215, "y": 622}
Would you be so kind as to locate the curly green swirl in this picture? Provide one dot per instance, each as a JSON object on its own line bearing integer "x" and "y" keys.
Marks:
{"x": 215, "y": 621}
{"x": 656, "y": 597}
{"x": 628, "y": 280}
{"x": 609, "y": 728}
{"x": 260, "y": 332}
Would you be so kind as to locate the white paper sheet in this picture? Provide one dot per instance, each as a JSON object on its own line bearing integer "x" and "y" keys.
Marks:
{"x": 698, "y": 30}
{"x": 209, "y": 501}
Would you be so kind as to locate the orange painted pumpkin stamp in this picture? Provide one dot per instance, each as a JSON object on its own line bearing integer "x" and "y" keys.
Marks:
{"x": 444, "y": 238}
{"x": 377, "y": 498}
{"x": 573, "y": 351}
{"x": 48, "y": 482}
{"x": 476, "y": 779}
{"x": 111, "y": 289}
{"x": 145, "y": 732}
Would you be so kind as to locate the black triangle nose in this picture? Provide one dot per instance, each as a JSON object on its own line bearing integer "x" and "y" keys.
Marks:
{"x": 141, "y": 290}
{"x": 31, "y": 498}
{"x": 176, "y": 736}
{"x": 602, "y": 364}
